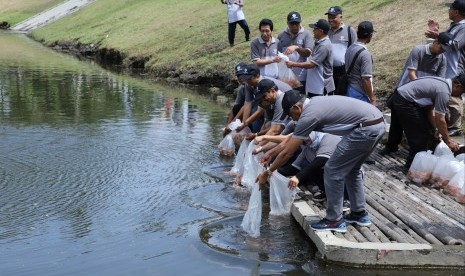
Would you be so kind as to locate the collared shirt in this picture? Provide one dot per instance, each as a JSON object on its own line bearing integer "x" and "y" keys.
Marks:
{"x": 337, "y": 115}
{"x": 436, "y": 89}
{"x": 362, "y": 68}
{"x": 303, "y": 39}
{"x": 260, "y": 50}
{"x": 340, "y": 41}
{"x": 456, "y": 55}
{"x": 321, "y": 76}
{"x": 235, "y": 12}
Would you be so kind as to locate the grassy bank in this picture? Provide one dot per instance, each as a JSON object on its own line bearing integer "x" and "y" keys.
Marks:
{"x": 188, "y": 39}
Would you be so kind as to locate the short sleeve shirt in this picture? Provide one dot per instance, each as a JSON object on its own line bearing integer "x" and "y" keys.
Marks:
{"x": 337, "y": 115}
{"x": 340, "y": 41}
{"x": 303, "y": 39}
{"x": 362, "y": 68}
{"x": 240, "y": 96}
{"x": 327, "y": 145}
{"x": 456, "y": 56}
{"x": 250, "y": 90}
{"x": 436, "y": 89}
{"x": 260, "y": 50}
{"x": 321, "y": 76}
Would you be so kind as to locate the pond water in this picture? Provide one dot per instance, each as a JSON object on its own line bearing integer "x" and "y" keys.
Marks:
{"x": 103, "y": 174}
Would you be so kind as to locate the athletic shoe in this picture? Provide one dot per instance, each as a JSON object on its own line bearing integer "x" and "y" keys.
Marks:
{"x": 325, "y": 225}
{"x": 319, "y": 197}
{"x": 361, "y": 220}
{"x": 346, "y": 206}
{"x": 455, "y": 132}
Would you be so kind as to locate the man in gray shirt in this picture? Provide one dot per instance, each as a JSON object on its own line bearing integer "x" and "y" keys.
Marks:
{"x": 455, "y": 59}
{"x": 419, "y": 119}
{"x": 341, "y": 36}
{"x": 424, "y": 60}
{"x": 320, "y": 64}
{"x": 360, "y": 124}
{"x": 297, "y": 43}
{"x": 264, "y": 50}
{"x": 360, "y": 77}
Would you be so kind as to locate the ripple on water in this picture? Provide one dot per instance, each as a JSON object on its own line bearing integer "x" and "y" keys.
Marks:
{"x": 280, "y": 240}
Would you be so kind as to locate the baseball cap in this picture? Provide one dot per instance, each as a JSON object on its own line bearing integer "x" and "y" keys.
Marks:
{"x": 290, "y": 98}
{"x": 445, "y": 40}
{"x": 239, "y": 68}
{"x": 294, "y": 17}
{"x": 263, "y": 86}
{"x": 334, "y": 10}
{"x": 321, "y": 24}
{"x": 249, "y": 71}
{"x": 365, "y": 28}
{"x": 457, "y": 5}
{"x": 460, "y": 79}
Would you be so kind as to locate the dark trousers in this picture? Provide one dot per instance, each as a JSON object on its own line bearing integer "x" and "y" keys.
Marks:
{"x": 232, "y": 30}
{"x": 413, "y": 119}
{"x": 339, "y": 73}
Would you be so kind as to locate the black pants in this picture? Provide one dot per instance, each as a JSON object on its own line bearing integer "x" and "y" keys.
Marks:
{"x": 413, "y": 119}
{"x": 232, "y": 30}
{"x": 339, "y": 73}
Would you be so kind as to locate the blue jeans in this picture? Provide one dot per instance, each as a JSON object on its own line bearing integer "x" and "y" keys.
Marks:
{"x": 343, "y": 168}
{"x": 354, "y": 93}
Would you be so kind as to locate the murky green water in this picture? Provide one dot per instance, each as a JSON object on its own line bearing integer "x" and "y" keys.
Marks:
{"x": 103, "y": 174}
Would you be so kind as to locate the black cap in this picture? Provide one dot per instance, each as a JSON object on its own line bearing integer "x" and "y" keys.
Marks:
{"x": 460, "y": 79}
{"x": 365, "y": 28}
{"x": 294, "y": 17}
{"x": 249, "y": 71}
{"x": 334, "y": 10}
{"x": 238, "y": 69}
{"x": 445, "y": 39}
{"x": 263, "y": 86}
{"x": 457, "y": 5}
{"x": 290, "y": 98}
{"x": 321, "y": 24}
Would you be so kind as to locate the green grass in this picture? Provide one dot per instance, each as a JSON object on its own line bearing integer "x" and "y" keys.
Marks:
{"x": 191, "y": 36}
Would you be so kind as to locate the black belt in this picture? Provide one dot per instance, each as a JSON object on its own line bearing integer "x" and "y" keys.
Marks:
{"x": 371, "y": 123}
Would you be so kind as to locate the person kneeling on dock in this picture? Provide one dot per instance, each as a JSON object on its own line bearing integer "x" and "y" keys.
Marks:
{"x": 362, "y": 127}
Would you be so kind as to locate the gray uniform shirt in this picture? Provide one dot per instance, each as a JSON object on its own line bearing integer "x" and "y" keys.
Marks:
{"x": 249, "y": 91}
{"x": 240, "y": 96}
{"x": 303, "y": 39}
{"x": 363, "y": 66}
{"x": 340, "y": 41}
{"x": 321, "y": 76}
{"x": 456, "y": 56}
{"x": 260, "y": 50}
{"x": 337, "y": 115}
{"x": 436, "y": 89}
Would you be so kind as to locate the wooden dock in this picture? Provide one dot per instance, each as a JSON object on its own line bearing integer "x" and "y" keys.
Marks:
{"x": 413, "y": 225}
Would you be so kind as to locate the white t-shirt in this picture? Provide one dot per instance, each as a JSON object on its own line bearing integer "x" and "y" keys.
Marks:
{"x": 235, "y": 12}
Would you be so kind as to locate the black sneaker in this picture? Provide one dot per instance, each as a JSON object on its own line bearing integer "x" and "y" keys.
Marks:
{"x": 455, "y": 132}
{"x": 319, "y": 197}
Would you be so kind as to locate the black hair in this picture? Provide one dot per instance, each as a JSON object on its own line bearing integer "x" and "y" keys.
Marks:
{"x": 264, "y": 22}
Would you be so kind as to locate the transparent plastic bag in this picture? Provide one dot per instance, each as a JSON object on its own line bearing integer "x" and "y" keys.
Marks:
{"x": 252, "y": 167}
{"x": 460, "y": 197}
{"x": 226, "y": 146}
{"x": 455, "y": 184}
{"x": 461, "y": 157}
{"x": 442, "y": 149}
{"x": 281, "y": 197}
{"x": 253, "y": 217}
{"x": 238, "y": 167}
{"x": 238, "y": 137}
{"x": 286, "y": 74}
{"x": 234, "y": 124}
{"x": 422, "y": 167}
{"x": 271, "y": 70}
{"x": 445, "y": 169}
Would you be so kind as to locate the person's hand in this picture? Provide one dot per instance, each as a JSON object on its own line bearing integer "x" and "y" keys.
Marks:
{"x": 263, "y": 178}
{"x": 257, "y": 150}
{"x": 266, "y": 159}
{"x": 454, "y": 146}
{"x": 258, "y": 139}
{"x": 226, "y": 131}
{"x": 277, "y": 59}
{"x": 374, "y": 102}
{"x": 291, "y": 49}
{"x": 436, "y": 135}
{"x": 250, "y": 136}
{"x": 433, "y": 26}
{"x": 290, "y": 64}
{"x": 293, "y": 182}
{"x": 240, "y": 127}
